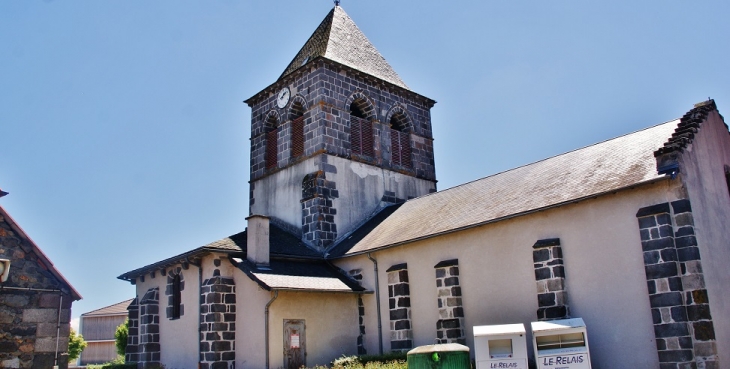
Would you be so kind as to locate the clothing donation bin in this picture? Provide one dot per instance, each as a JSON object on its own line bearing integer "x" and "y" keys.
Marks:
{"x": 561, "y": 344}
{"x": 500, "y": 346}
{"x": 441, "y": 356}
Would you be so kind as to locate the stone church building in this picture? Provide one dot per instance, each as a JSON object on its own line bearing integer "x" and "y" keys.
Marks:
{"x": 349, "y": 248}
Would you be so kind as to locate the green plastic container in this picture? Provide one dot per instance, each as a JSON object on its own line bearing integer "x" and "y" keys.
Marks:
{"x": 443, "y": 356}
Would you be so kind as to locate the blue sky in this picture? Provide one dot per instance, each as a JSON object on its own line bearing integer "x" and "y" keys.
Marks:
{"x": 125, "y": 140}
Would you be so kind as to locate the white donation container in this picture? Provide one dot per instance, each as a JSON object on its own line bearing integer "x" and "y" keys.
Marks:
{"x": 500, "y": 346}
{"x": 561, "y": 344}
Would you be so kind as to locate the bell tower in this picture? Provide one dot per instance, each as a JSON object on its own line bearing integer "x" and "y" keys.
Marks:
{"x": 337, "y": 137}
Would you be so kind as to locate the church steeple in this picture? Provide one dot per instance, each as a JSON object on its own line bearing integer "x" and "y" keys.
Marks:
{"x": 339, "y": 39}
{"x": 337, "y": 137}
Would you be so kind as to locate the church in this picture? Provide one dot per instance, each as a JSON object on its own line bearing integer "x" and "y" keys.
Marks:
{"x": 350, "y": 249}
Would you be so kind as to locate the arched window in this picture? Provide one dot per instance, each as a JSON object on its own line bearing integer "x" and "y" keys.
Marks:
{"x": 400, "y": 140}
{"x": 296, "y": 114}
{"x": 176, "y": 296}
{"x": 272, "y": 125}
{"x": 361, "y": 128}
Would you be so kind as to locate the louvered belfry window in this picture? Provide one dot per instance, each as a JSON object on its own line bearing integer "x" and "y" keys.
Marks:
{"x": 361, "y": 136}
{"x": 400, "y": 140}
{"x": 400, "y": 148}
{"x": 297, "y": 137}
{"x": 271, "y": 138}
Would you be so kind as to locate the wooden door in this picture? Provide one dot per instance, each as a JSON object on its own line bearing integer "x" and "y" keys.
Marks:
{"x": 295, "y": 348}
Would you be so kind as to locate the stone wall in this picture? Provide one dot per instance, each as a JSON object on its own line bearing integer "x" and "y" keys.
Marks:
{"x": 29, "y": 320}
{"x": 149, "y": 329}
{"x": 318, "y": 214}
{"x": 552, "y": 298}
{"x": 683, "y": 327}
{"x": 399, "y": 300}
{"x": 131, "y": 354}
{"x": 218, "y": 322}
{"x": 356, "y": 274}
{"x": 450, "y": 326}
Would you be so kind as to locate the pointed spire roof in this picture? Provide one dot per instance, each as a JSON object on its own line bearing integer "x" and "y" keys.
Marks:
{"x": 338, "y": 39}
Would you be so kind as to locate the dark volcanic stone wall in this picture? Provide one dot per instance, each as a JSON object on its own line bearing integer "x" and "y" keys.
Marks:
{"x": 683, "y": 326}
{"x": 29, "y": 319}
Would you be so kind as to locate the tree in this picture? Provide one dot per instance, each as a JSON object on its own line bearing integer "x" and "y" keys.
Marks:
{"x": 121, "y": 335}
{"x": 76, "y": 344}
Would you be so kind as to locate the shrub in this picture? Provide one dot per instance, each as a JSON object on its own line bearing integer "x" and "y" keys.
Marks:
{"x": 120, "y": 335}
{"x": 76, "y": 344}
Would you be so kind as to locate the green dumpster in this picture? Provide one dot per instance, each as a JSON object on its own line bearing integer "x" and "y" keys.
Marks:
{"x": 443, "y": 356}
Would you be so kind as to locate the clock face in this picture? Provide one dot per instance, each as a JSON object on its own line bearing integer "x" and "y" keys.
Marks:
{"x": 283, "y": 97}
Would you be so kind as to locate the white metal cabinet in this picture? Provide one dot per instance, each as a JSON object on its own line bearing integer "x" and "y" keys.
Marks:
{"x": 500, "y": 346}
{"x": 561, "y": 344}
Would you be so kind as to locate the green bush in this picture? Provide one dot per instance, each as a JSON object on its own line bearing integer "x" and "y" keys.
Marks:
{"x": 117, "y": 363}
{"x": 390, "y": 356}
{"x": 393, "y": 360}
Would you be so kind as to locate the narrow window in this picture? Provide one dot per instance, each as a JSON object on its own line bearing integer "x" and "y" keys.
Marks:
{"x": 727, "y": 178}
{"x": 176, "y": 296}
{"x": 400, "y": 140}
{"x": 297, "y": 130}
{"x": 361, "y": 129}
{"x": 271, "y": 142}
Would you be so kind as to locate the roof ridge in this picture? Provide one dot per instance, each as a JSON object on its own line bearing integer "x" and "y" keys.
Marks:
{"x": 106, "y": 307}
{"x": 545, "y": 159}
{"x": 325, "y": 23}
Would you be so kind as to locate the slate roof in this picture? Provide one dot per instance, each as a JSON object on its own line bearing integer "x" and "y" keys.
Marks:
{"x": 338, "y": 39}
{"x": 281, "y": 244}
{"x": 360, "y": 232}
{"x": 117, "y": 309}
{"x": 299, "y": 276}
{"x": 598, "y": 169}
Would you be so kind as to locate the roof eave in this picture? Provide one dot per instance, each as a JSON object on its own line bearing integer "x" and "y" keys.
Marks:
{"x": 184, "y": 257}
{"x": 289, "y": 289}
{"x": 495, "y": 220}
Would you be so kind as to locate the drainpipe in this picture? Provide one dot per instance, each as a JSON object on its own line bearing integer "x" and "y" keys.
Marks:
{"x": 58, "y": 329}
{"x": 200, "y": 292}
{"x": 58, "y": 321}
{"x": 377, "y": 303}
{"x": 266, "y": 328}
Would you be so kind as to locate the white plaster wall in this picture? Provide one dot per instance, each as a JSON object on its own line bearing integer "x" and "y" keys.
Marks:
{"x": 604, "y": 268}
{"x": 360, "y": 186}
{"x": 702, "y": 171}
{"x": 178, "y": 338}
{"x": 331, "y": 325}
{"x": 250, "y": 324}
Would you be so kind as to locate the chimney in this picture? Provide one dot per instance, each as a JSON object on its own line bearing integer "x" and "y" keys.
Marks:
{"x": 257, "y": 240}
